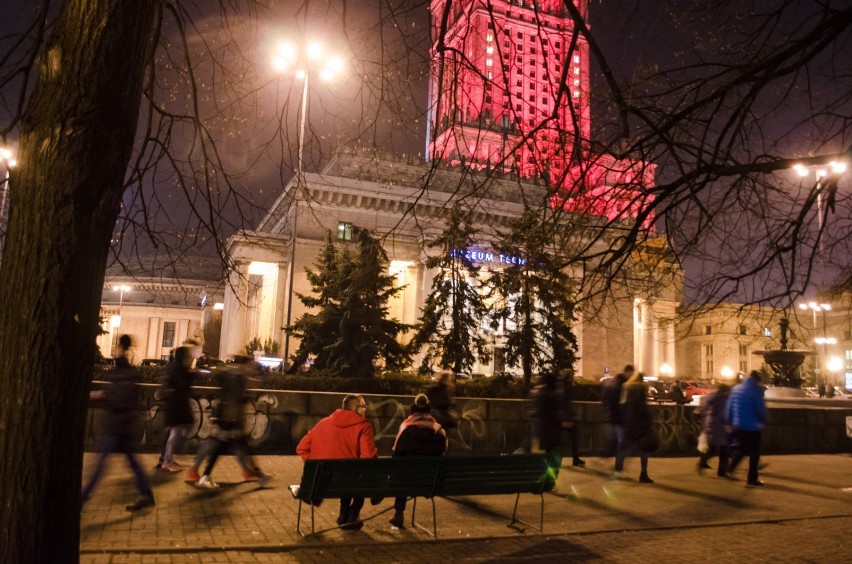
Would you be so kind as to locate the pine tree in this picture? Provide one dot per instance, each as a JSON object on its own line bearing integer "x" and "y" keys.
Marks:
{"x": 451, "y": 325}
{"x": 535, "y": 306}
{"x": 350, "y": 332}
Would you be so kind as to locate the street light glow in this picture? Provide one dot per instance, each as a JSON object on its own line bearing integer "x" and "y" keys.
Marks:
{"x": 835, "y": 364}
{"x": 314, "y": 51}
{"x": 800, "y": 169}
{"x": 838, "y": 167}
{"x": 121, "y": 288}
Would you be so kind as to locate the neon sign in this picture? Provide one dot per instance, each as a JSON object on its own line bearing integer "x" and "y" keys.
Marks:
{"x": 485, "y": 256}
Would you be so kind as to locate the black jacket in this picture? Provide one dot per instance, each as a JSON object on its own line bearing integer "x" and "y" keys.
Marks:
{"x": 121, "y": 398}
{"x": 178, "y": 388}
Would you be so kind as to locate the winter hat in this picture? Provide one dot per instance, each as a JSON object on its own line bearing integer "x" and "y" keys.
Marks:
{"x": 421, "y": 404}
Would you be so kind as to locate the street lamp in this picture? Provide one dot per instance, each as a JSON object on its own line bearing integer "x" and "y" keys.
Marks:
{"x": 303, "y": 61}
{"x": 815, "y": 307}
{"x": 822, "y": 172}
{"x": 8, "y": 160}
{"x": 120, "y": 288}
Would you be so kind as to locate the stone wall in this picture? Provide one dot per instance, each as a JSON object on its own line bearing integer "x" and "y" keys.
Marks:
{"x": 278, "y": 419}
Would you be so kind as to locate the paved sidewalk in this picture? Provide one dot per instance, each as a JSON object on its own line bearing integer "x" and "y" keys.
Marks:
{"x": 803, "y": 513}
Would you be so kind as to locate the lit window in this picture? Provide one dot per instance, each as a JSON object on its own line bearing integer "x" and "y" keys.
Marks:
{"x": 490, "y": 75}
{"x": 577, "y": 59}
{"x": 576, "y": 70}
{"x": 576, "y": 82}
{"x": 576, "y": 93}
{"x": 489, "y": 49}
{"x": 169, "y": 333}
{"x": 489, "y": 36}
{"x": 344, "y": 231}
{"x": 489, "y": 62}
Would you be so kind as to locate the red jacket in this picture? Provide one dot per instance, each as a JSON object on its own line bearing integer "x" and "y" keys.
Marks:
{"x": 343, "y": 434}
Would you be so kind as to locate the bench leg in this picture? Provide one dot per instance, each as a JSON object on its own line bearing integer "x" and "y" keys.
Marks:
{"x": 515, "y": 519}
{"x": 434, "y": 531}
{"x": 299, "y": 520}
{"x": 515, "y": 511}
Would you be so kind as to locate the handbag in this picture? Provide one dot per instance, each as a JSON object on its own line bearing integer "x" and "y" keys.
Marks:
{"x": 703, "y": 444}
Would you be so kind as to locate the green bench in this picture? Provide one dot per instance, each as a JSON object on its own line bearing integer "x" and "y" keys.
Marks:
{"x": 427, "y": 477}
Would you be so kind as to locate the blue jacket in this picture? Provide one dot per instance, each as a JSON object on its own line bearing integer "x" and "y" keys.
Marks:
{"x": 746, "y": 409}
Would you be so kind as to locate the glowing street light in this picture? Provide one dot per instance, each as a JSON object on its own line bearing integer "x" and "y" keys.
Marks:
{"x": 305, "y": 60}
{"x": 7, "y": 159}
{"x": 816, "y": 307}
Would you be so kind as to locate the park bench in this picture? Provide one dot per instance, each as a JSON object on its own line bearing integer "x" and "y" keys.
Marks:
{"x": 427, "y": 477}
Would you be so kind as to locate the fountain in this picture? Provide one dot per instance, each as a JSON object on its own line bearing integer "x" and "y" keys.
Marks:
{"x": 785, "y": 364}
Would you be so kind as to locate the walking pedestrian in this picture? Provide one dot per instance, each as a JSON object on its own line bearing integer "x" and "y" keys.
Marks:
{"x": 177, "y": 389}
{"x": 639, "y": 437}
{"x": 714, "y": 425}
{"x": 346, "y": 433}
{"x": 546, "y": 421}
{"x": 121, "y": 400}
{"x": 419, "y": 435}
{"x": 230, "y": 435}
{"x": 611, "y": 398}
{"x": 442, "y": 399}
{"x": 677, "y": 393}
{"x": 746, "y": 411}
{"x": 569, "y": 421}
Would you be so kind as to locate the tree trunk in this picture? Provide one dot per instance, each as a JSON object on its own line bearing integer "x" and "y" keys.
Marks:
{"x": 76, "y": 140}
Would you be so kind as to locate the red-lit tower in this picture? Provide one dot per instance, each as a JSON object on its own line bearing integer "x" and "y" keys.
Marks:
{"x": 510, "y": 85}
{"x": 509, "y": 91}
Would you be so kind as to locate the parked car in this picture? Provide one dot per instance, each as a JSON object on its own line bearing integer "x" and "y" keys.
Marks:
{"x": 661, "y": 392}
{"x": 153, "y": 362}
{"x": 695, "y": 388}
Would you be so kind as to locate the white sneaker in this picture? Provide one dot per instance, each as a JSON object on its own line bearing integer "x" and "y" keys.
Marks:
{"x": 206, "y": 482}
{"x": 619, "y": 475}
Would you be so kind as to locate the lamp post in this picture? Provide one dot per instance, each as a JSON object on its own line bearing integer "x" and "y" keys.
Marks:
{"x": 308, "y": 59}
{"x": 115, "y": 322}
{"x": 821, "y": 172}
{"x": 9, "y": 162}
{"x": 815, "y": 307}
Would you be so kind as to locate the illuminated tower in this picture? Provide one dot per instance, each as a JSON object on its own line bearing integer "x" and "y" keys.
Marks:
{"x": 509, "y": 91}
{"x": 509, "y": 87}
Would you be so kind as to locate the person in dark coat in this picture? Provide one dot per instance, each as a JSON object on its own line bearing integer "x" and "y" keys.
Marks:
{"x": 611, "y": 398}
{"x": 546, "y": 421}
{"x": 230, "y": 435}
{"x": 177, "y": 389}
{"x": 419, "y": 435}
{"x": 677, "y": 393}
{"x": 636, "y": 419}
{"x": 715, "y": 427}
{"x": 121, "y": 401}
{"x": 567, "y": 416}
{"x": 442, "y": 400}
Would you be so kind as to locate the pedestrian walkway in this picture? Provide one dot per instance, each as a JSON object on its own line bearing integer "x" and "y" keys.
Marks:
{"x": 803, "y": 512}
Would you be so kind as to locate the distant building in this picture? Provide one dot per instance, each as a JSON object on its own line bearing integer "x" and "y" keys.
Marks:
{"x": 159, "y": 311}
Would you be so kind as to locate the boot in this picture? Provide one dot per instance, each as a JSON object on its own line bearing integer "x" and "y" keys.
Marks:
{"x": 344, "y": 515}
{"x": 645, "y": 479}
{"x": 398, "y": 520}
{"x": 354, "y": 523}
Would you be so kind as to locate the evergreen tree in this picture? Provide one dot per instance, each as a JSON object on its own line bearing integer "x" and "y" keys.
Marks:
{"x": 451, "y": 326}
{"x": 535, "y": 308}
{"x": 350, "y": 330}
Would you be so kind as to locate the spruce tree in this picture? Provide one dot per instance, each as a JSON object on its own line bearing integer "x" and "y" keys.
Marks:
{"x": 451, "y": 325}
{"x": 350, "y": 330}
{"x": 536, "y": 308}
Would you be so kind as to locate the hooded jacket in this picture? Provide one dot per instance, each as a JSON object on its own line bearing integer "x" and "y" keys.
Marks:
{"x": 343, "y": 434}
{"x": 420, "y": 435}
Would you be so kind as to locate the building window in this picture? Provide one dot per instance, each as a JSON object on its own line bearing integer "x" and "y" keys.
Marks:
{"x": 707, "y": 353}
{"x": 490, "y": 49}
{"x": 344, "y": 231}
{"x": 489, "y": 36}
{"x": 489, "y": 62}
{"x": 519, "y": 59}
{"x": 576, "y": 82}
{"x": 532, "y": 124}
{"x": 577, "y": 59}
{"x": 708, "y": 330}
{"x": 557, "y": 44}
{"x": 576, "y": 93}
{"x": 505, "y": 44}
{"x": 517, "y": 107}
{"x": 532, "y": 98}
{"x": 169, "y": 328}
{"x": 743, "y": 350}
{"x": 545, "y": 101}
{"x": 520, "y": 35}
{"x": 532, "y": 50}
{"x": 767, "y": 332}
{"x": 519, "y": 83}
{"x": 576, "y": 70}
{"x": 490, "y": 75}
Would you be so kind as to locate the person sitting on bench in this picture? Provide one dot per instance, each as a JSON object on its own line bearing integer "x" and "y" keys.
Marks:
{"x": 419, "y": 435}
{"x": 343, "y": 434}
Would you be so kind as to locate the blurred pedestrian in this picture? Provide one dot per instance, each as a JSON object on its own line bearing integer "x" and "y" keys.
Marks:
{"x": 639, "y": 437}
{"x": 746, "y": 412}
{"x": 442, "y": 399}
{"x": 714, "y": 426}
{"x": 419, "y": 435}
{"x": 611, "y": 398}
{"x": 546, "y": 422}
{"x": 121, "y": 401}
{"x": 346, "y": 433}
{"x": 567, "y": 417}
{"x": 230, "y": 435}
{"x": 177, "y": 389}
{"x": 677, "y": 393}
{"x": 821, "y": 389}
